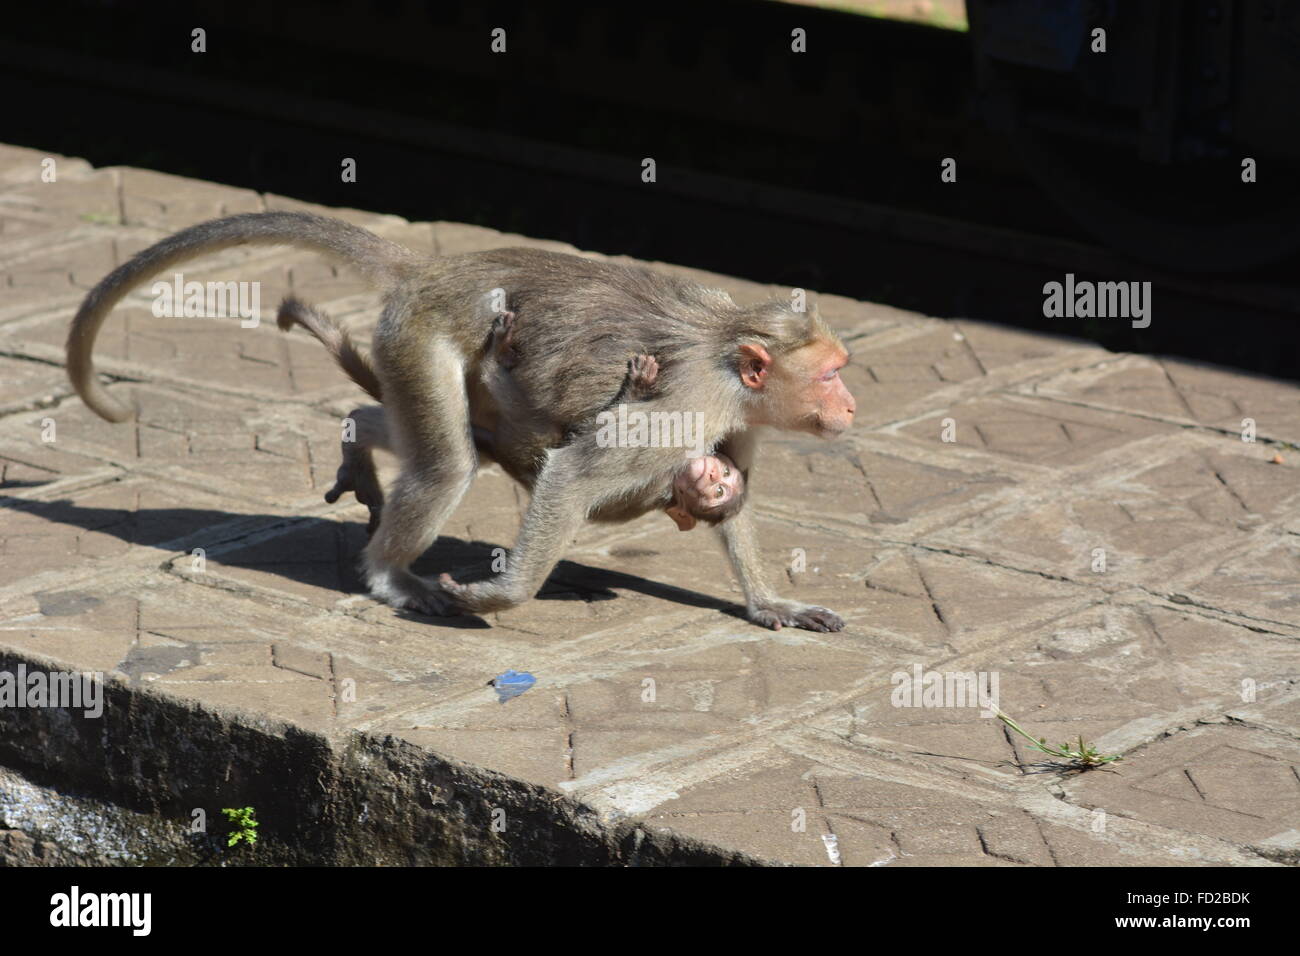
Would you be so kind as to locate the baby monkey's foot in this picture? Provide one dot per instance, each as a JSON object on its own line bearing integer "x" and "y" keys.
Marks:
{"x": 450, "y": 584}
{"x": 357, "y": 475}
{"x": 503, "y": 339}
{"x": 642, "y": 370}
{"x": 460, "y": 597}
{"x": 479, "y": 597}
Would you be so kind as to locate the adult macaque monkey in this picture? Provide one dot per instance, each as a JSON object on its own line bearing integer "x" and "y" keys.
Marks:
{"x": 740, "y": 368}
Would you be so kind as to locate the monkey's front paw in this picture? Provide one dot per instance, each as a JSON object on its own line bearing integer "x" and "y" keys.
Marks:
{"x": 811, "y": 617}
{"x": 817, "y": 618}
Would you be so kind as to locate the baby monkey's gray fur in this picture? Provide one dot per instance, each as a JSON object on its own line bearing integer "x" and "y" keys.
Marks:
{"x": 742, "y": 367}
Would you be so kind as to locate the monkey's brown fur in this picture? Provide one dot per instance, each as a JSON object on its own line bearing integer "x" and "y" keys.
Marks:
{"x": 741, "y": 367}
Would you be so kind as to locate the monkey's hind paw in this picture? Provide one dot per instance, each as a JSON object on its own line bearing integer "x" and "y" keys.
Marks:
{"x": 401, "y": 589}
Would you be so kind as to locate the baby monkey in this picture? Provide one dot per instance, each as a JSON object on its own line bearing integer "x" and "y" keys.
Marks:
{"x": 709, "y": 488}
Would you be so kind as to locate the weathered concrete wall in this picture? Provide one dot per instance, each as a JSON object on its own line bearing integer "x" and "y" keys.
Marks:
{"x": 140, "y": 770}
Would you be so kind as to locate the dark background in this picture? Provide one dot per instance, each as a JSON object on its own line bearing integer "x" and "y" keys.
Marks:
{"x": 818, "y": 170}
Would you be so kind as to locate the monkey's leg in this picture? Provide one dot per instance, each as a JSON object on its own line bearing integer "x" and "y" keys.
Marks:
{"x": 762, "y": 606}
{"x": 357, "y": 472}
{"x": 556, "y": 511}
{"x": 428, "y": 422}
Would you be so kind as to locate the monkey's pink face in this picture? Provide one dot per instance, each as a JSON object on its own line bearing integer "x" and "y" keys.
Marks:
{"x": 802, "y": 391}
{"x": 833, "y": 403}
{"x": 710, "y": 481}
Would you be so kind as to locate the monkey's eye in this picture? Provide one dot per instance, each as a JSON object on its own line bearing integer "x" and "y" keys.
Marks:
{"x": 726, "y": 472}
{"x": 721, "y": 492}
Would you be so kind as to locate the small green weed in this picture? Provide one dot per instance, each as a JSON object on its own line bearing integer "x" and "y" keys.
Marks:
{"x": 244, "y": 827}
{"x": 1084, "y": 756}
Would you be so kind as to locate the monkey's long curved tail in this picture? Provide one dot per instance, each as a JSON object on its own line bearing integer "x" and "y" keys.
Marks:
{"x": 379, "y": 260}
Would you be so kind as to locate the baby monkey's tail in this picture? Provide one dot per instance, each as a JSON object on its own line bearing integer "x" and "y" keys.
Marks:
{"x": 336, "y": 341}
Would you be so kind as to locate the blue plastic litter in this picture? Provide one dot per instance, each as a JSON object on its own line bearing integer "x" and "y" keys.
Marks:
{"x": 511, "y": 684}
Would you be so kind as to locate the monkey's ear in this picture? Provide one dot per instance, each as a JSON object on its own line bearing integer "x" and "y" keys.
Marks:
{"x": 754, "y": 363}
{"x": 685, "y": 522}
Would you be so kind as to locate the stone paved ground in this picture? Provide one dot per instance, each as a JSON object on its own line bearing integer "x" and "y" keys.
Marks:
{"x": 973, "y": 555}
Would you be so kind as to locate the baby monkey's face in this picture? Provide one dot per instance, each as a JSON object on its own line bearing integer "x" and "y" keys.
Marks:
{"x": 708, "y": 482}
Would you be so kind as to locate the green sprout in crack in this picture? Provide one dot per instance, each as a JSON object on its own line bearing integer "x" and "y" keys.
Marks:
{"x": 243, "y": 824}
{"x": 1084, "y": 757}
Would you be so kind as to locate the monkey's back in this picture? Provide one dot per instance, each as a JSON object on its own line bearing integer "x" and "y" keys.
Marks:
{"x": 579, "y": 320}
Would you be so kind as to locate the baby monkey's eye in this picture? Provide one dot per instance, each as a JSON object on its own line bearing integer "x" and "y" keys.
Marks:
{"x": 726, "y": 472}
{"x": 721, "y": 492}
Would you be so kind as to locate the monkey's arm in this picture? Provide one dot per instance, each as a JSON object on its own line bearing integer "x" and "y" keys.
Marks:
{"x": 762, "y": 604}
{"x": 573, "y": 482}
{"x": 556, "y": 512}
